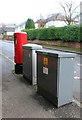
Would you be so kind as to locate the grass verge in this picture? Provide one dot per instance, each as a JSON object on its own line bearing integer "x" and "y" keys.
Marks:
{"x": 63, "y": 48}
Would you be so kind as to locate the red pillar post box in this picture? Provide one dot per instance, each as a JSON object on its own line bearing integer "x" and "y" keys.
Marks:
{"x": 20, "y": 38}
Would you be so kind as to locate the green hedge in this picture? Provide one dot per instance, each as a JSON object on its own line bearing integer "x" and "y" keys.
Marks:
{"x": 67, "y": 33}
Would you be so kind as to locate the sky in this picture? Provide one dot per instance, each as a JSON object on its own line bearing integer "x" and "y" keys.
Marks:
{"x": 18, "y": 11}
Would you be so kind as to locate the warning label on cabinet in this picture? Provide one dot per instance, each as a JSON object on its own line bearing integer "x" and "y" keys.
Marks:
{"x": 45, "y": 61}
{"x": 45, "y": 70}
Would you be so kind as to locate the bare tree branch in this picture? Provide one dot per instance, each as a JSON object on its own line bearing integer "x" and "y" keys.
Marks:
{"x": 75, "y": 9}
{"x": 69, "y": 11}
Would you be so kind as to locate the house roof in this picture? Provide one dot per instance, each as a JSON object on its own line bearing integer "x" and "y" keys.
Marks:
{"x": 52, "y": 17}
{"x": 7, "y": 28}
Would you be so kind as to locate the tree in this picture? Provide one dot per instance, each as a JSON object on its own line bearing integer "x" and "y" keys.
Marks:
{"x": 81, "y": 13}
{"x": 69, "y": 12}
{"x": 3, "y": 32}
{"x": 29, "y": 24}
{"x": 42, "y": 23}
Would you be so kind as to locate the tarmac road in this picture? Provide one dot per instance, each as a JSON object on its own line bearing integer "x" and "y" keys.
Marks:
{"x": 20, "y": 100}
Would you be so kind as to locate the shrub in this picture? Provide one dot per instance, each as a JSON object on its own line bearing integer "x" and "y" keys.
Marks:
{"x": 67, "y": 33}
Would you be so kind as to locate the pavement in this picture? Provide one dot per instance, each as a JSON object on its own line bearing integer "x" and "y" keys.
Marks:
{"x": 21, "y": 100}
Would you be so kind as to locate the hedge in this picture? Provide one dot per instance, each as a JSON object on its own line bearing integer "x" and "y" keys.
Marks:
{"x": 67, "y": 33}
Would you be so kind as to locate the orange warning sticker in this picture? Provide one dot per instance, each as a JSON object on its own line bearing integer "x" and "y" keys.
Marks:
{"x": 45, "y": 61}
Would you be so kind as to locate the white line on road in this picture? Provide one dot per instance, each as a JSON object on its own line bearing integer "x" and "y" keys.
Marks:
{"x": 8, "y": 58}
{"x": 79, "y": 64}
{"x": 76, "y": 77}
{"x": 74, "y": 71}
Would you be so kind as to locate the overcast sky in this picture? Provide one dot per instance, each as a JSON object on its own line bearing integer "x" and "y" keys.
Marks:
{"x": 18, "y": 11}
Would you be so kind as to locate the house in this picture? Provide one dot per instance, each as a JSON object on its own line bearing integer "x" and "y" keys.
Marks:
{"x": 56, "y": 19}
{"x": 20, "y": 27}
{"x": 7, "y": 29}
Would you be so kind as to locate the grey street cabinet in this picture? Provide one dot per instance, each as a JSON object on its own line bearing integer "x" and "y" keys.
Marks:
{"x": 55, "y": 74}
{"x": 29, "y": 62}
